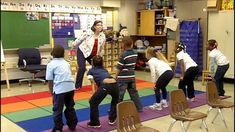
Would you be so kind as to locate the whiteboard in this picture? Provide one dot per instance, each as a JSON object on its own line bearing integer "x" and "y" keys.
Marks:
{"x": 2, "y": 54}
{"x": 221, "y": 28}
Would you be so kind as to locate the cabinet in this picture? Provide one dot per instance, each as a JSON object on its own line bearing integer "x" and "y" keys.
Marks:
{"x": 150, "y": 27}
{"x": 112, "y": 51}
{"x": 151, "y": 22}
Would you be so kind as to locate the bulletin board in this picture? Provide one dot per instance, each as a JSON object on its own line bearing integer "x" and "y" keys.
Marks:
{"x": 18, "y": 32}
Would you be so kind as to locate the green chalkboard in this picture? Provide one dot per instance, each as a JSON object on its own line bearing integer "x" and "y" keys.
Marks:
{"x": 18, "y": 32}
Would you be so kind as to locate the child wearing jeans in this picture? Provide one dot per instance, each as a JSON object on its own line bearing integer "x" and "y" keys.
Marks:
{"x": 126, "y": 72}
{"x": 161, "y": 74}
{"x": 106, "y": 85}
{"x": 61, "y": 86}
{"x": 218, "y": 58}
{"x": 189, "y": 70}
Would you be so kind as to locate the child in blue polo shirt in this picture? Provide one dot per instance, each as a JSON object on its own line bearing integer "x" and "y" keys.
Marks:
{"x": 61, "y": 86}
{"x": 106, "y": 85}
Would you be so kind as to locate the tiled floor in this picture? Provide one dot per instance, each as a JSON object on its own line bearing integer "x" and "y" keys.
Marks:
{"x": 160, "y": 123}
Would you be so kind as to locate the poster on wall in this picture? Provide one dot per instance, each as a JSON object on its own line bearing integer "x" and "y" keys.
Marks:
{"x": 32, "y": 16}
{"x": 62, "y": 25}
{"x": 4, "y": 6}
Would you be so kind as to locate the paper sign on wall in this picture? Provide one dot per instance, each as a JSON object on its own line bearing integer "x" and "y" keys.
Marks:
{"x": 2, "y": 54}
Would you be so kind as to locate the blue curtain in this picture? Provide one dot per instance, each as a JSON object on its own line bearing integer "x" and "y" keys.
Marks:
{"x": 191, "y": 36}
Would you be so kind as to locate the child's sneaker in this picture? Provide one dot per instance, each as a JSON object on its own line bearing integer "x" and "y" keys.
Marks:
{"x": 72, "y": 128}
{"x": 156, "y": 106}
{"x": 112, "y": 122}
{"x": 92, "y": 125}
{"x": 192, "y": 99}
{"x": 164, "y": 103}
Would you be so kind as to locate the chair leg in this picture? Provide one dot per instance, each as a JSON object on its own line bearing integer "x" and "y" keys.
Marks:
{"x": 39, "y": 79}
{"x": 215, "y": 117}
{"x": 30, "y": 83}
{"x": 205, "y": 125}
{"x": 182, "y": 126}
{"x": 188, "y": 125}
{"x": 208, "y": 111}
{"x": 222, "y": 117}
{"x": 171, "y": 125}
{"x": 201, "y": 124}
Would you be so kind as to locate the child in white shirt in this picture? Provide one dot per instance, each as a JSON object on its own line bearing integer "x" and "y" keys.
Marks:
{"x": 161, "y": 74}
{"x": 189, "y": 70}
{"x": 218, "y": 58}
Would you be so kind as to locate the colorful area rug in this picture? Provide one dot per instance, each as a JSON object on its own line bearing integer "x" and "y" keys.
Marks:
{"x": 33, "y": 112}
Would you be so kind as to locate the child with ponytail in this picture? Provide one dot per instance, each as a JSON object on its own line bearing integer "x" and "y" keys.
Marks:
{"x": 217, "y": 58}
{"x": 189, "y": 70}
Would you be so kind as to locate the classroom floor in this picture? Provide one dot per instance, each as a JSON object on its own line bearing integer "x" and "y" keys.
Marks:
{"x": 161, "y": 123}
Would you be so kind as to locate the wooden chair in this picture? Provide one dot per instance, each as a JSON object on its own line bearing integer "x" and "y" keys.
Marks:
{"x": 128, "y": 119}
{"x": 206, "y": 73}
{"x": 180, "y": 111}
{"x": 214, "y": 101}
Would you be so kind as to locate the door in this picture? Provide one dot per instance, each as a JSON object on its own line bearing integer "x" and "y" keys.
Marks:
{"x": 147, "y": 24}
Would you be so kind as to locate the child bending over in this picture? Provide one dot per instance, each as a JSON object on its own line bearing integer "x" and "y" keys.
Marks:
{"x": 161, "y": 74}
{"x": 218, "y": 58}
{"x": 106, "y": 85}
{"x": 189, "y": 70}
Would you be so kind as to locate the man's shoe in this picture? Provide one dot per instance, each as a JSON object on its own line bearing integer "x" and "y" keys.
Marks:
{"x": 92, "y": 125}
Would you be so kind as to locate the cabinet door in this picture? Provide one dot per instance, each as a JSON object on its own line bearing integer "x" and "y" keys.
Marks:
{"x": 221, "y": 28}
{"x": 147, "y": 25}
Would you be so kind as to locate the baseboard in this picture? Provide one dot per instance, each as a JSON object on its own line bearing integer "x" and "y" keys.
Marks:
{"x": 10, "y": 81}
{"x": 229, "y": 80}
{"x": 3, "y": 82}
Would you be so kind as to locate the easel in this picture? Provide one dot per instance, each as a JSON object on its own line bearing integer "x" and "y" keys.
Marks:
{"x": 3, "y": 66}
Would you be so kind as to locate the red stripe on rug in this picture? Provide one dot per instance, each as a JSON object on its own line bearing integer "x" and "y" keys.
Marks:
{"x": 8, "y": 100}
{"x": 45, "y": 94}
{"x": 32, "y": 96}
